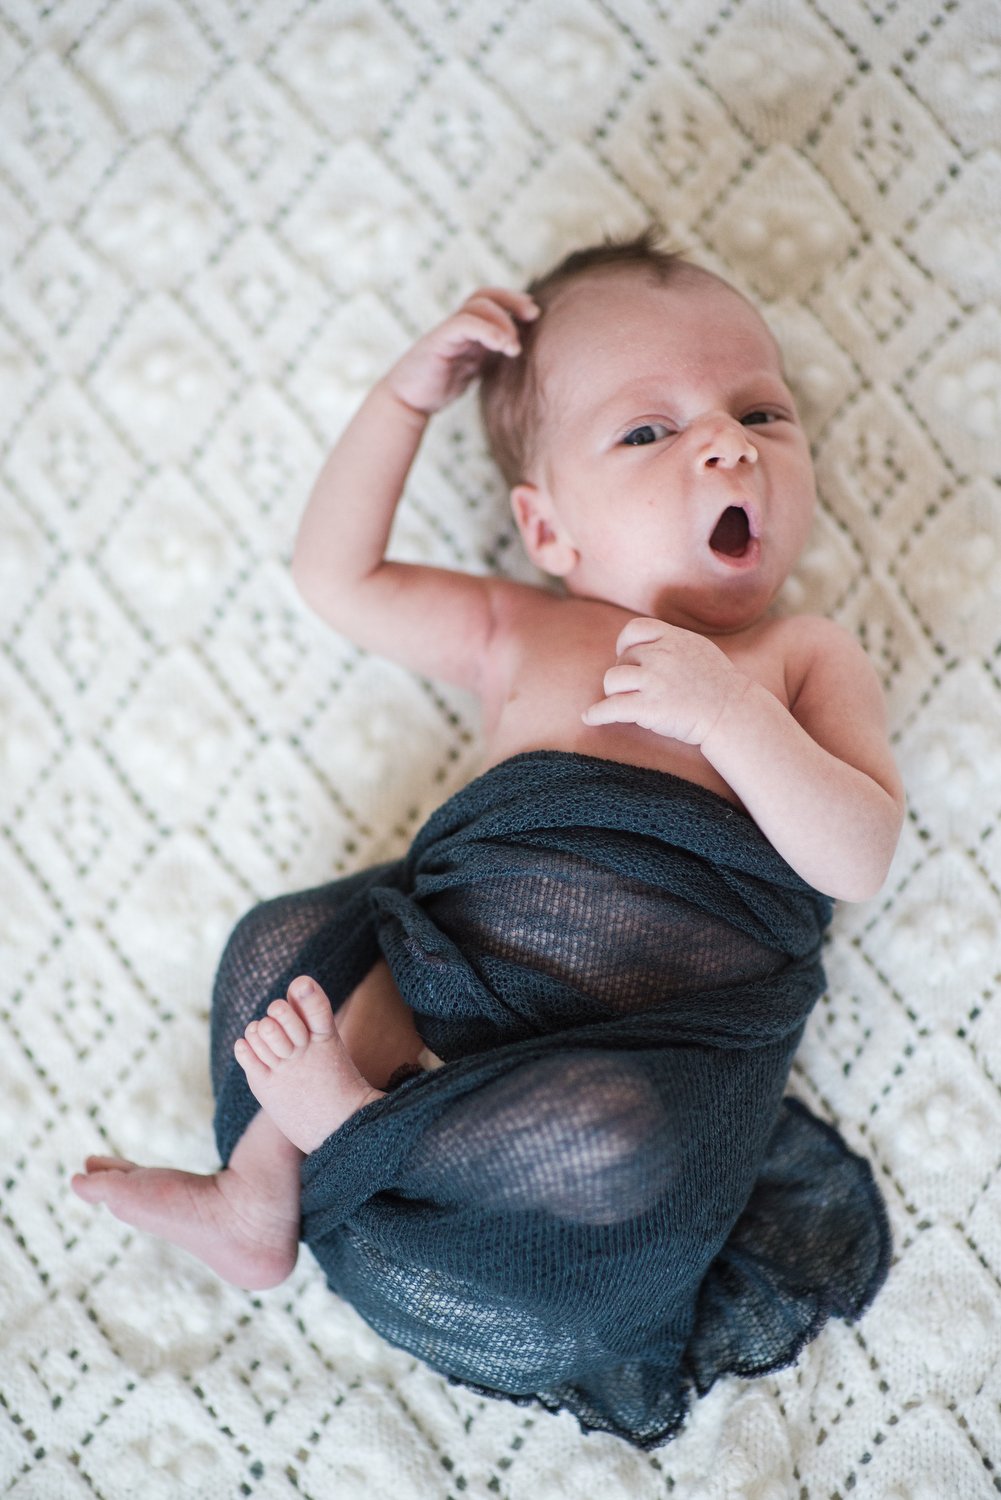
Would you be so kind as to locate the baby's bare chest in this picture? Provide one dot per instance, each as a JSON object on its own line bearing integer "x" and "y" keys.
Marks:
{"x": 547, "y": 675}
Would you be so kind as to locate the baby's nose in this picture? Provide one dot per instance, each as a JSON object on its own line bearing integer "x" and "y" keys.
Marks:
{"x": 726, "y": 444}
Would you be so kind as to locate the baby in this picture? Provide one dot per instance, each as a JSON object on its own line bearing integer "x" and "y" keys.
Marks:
{"x": 637, "y": 407}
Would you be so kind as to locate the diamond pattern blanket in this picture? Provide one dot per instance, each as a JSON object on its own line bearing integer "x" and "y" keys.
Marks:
{"x": 218, "y": 224}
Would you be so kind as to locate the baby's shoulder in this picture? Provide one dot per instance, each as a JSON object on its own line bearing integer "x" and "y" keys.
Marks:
{"x": 515, "y": 601}
{"x": 813, "y": 635}
{"x": 815, "y": 649}
{"x": 540, "y": 629}
{"x": 795, "y": 633}
{"x": 523, "y": 617}
{"x": 533, "y": 613}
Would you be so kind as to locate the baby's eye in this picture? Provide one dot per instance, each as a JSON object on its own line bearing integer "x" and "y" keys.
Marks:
{"x": 647, "y": 432}
{"x": 758, "y": 418}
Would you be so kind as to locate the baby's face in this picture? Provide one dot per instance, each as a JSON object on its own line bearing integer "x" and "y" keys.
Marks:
{"x": 670, "y": 460}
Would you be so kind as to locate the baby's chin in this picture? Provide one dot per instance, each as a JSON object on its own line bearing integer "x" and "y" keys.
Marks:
{"x": 719, "y": 619}
{"x": 726, "y": 608}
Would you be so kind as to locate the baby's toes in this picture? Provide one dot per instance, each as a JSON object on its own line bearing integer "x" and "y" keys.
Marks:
{"x": 257, "y": 1072}
{"x": 258, "y": 1046}
{"x": 313, "y": 1006}
{"x": 275, "y": 1037}
{"x": 108, "y": 1164}
{"x": 291, "y": 1023}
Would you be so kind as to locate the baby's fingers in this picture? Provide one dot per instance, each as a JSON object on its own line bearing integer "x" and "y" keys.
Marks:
{"x": 489, "y": 327}
{"x": 502, "y": 323}
{"x": 620, "y": 704}
{"x": 618, "y": 708}
{"x": 519, "y": 304}
{"x": 624, "y": 678}
{"x": 640, "y": 632}
{"x": 501, "y": 310}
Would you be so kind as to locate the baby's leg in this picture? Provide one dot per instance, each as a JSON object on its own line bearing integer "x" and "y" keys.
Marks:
{"x": 243, "y": 1221}
{"x": 299, "y": 1068}
{"x": 377, "y": 1027}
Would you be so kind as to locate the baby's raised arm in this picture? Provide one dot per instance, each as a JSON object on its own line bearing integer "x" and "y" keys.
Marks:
{"x": 432, "y": 620}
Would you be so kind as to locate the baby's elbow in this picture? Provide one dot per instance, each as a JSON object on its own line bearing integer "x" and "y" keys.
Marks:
{"x": 309, "y": 582}
{"x": 301, "y": 570}
{"x": 869, "y": 871}
{"x": 858, "y": 886}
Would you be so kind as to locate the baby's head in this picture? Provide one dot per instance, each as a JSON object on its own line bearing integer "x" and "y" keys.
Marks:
{"x": 651, "y": 443}
{"x": 512, "y": 394}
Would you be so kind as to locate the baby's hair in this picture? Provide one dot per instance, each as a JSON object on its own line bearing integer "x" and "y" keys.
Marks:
{"x": 510, "y": 395}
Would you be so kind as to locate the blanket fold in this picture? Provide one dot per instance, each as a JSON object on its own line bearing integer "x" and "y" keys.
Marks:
{"x": 601, "y": 1200}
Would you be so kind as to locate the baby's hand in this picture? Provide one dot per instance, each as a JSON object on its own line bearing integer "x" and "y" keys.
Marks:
{"x": 440, "y": 365}
{"x": 670, "y": 680}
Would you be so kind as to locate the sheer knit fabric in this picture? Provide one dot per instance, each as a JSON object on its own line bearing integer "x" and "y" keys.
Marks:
{"x": 602, "y": 1200}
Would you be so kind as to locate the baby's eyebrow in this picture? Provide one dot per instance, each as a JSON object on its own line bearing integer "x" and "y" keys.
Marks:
{"x": 652, "y": 392}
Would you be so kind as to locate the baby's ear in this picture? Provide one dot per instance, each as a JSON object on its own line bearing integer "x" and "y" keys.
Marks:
{"x": 542, "y": 531}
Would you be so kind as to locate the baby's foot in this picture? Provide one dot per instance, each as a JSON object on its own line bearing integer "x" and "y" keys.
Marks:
{"x": 298, "y": 1068}
{"x": 245, "y": 1228}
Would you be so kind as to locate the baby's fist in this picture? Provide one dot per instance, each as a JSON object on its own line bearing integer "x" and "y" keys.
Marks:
{"x": 669, "y": 680}
{"x": 440, "y": 366}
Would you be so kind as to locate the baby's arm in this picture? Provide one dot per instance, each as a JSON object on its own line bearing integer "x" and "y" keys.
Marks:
{"x": 432, "y": 620}
{"x": 818, "y": 778}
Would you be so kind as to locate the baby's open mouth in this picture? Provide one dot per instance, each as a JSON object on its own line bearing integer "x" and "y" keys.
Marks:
{"x": 732, "y": 532}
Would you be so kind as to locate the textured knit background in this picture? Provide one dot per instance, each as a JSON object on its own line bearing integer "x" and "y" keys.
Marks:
{"x": 218, "y": 222}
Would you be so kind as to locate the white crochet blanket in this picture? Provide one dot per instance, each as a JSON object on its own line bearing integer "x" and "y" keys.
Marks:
{"x": 218, "y": 223}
